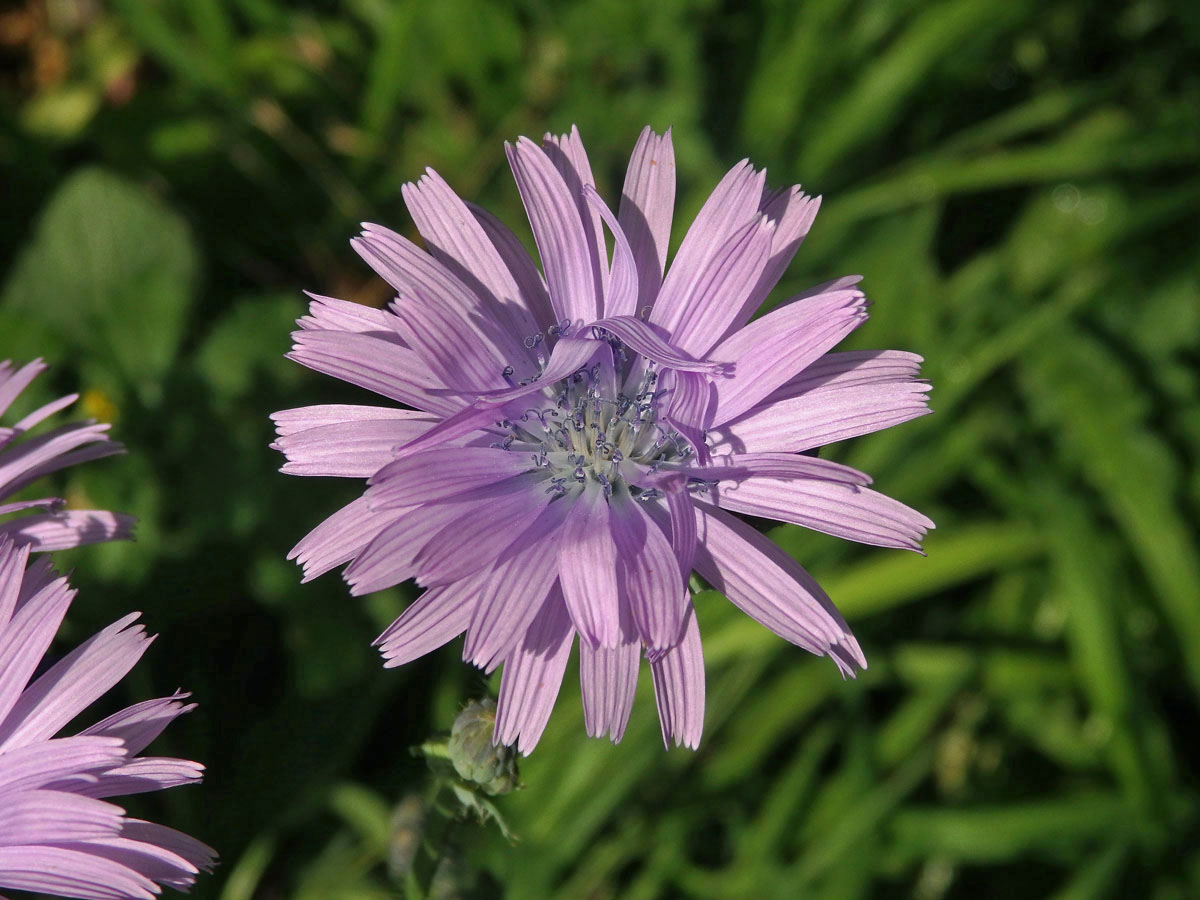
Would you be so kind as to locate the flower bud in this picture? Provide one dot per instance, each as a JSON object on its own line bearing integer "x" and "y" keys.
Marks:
{"x": 475, "y": 758}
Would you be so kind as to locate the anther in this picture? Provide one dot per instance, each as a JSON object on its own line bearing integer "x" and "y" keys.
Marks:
{"x": 539, "y": 414}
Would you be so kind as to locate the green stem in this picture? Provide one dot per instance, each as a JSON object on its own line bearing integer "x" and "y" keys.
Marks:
{"x": 439, "y": 823}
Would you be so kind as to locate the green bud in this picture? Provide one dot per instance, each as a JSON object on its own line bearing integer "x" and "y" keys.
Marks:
{"x": 475, "y": 758}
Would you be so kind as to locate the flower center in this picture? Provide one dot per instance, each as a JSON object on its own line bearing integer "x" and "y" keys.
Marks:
{"x": 589, "y": 429}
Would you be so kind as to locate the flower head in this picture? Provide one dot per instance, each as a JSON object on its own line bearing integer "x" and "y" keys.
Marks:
{"x": 570, "y": 447}
{"x": 42, "y": 522}
{"x": 58, "y": 833}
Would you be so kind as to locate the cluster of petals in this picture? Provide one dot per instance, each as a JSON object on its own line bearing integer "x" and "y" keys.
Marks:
{"x": 59, "y": 832}
{"x": 571, "y": 444}
{"x": 42, "y": 522}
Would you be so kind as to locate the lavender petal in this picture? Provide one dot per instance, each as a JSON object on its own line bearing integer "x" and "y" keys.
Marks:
{"x": 647, "y": 204}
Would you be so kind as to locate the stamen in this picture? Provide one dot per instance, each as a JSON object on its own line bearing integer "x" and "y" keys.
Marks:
{"x": 580, "y": 430}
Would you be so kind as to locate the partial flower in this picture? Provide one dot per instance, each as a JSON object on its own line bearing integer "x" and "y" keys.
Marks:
{"x": 42, "y": 522}
{"x": 570, "y": 444}
{"x": 58, "y": 833}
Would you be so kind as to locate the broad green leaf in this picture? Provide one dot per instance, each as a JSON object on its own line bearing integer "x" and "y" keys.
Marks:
{"x": 113, "y": 271}
{"x": 234, "y": 353}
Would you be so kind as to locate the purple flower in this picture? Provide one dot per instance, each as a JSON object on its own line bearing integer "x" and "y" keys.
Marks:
{"x": 571, "y": 447}
{"x": 58, "y": 835}
{"x": 24, "y": 460}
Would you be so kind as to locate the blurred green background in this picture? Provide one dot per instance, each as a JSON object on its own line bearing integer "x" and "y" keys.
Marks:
{"x": 1018, "y": 184}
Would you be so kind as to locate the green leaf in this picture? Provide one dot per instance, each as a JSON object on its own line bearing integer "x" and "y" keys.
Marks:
{"x": 1094, "y": 635}
{"x": 887, "y": 580}
{"x": 1095, "y": 879}
{"x": 243, "y": 879}
{"x": 113, "y": 271}
{"x": 365, "y": 812}
{"x": 235, "y": 351}
{"x": 835, "y": 844}
{"x": 1007, "y": 831}
{"x": 1090, "y": 402}
{"x": 886, "y": 85}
